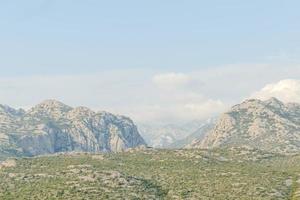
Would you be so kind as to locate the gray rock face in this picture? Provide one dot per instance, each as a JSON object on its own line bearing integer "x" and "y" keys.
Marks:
{"x": 267, "y": 125}
{"x": 52, "y": 127}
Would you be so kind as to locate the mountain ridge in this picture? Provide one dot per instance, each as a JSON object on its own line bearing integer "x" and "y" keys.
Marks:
{"x": 52, "y": 126}
{"x": 270, "y": 125}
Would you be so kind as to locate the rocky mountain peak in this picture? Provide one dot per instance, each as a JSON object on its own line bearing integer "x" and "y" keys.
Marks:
{"x": 51, "y": 109}
{"x": 249, "y": 104}
{"x": 52, "y": 127}
{"x": 274, "y": 102}
{"x": 51, "y": 104}
{"x": 270, "y": 125}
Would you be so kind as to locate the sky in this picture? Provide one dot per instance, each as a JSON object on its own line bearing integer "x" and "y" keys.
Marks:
{"x": 155, "y": 61}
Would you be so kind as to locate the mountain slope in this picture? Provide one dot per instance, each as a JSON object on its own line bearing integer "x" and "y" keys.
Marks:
{"x": 269, "y": 125}
{"x": 197, "y": 135}
{"x": 162, "y": 136}
{"x": 52, "y": 127}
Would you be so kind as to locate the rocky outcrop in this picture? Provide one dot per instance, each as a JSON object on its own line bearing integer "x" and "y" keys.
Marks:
{"x": 268, "y": 125}
{"x": 52, "y": 127}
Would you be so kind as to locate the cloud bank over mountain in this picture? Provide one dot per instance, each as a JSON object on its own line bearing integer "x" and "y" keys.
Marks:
{"x": 157, "y": 96}
{"x": 287, "y": 90}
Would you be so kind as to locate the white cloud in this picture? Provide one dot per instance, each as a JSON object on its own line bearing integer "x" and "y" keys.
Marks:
{"x": 287, "y": 90}
{"x": 178, "y": 112}
{"x": 172, "y": 80}
{"x": 205, "y": 108}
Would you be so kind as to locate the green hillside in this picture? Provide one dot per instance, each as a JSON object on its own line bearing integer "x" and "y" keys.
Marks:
{"x": 238, "y": 173}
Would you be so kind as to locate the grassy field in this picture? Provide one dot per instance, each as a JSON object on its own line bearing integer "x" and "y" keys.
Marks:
{"x": 222, "y": 174}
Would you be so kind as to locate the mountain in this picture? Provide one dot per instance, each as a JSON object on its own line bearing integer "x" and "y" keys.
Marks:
{"x": 197, "y": 135}
{"x": 162, "y": 136}
{"x": 52, "y": 126}
{"x": 268, "y": 125}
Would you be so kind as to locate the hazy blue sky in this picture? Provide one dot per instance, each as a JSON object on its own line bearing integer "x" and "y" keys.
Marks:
{"x": 155, "y": 60}
{"x": 56, "y": 36}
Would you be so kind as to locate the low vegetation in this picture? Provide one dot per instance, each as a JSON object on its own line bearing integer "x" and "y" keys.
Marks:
{"x": 236, "y": 173}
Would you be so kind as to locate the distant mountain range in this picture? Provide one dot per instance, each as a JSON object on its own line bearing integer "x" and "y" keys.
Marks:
{"x": 267, "y": 125}
{"x": 199, "y": 134}
{"x": 52, "y": 127}
{"x": 239, "y": 156}
{"x": 172, "y": 135}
